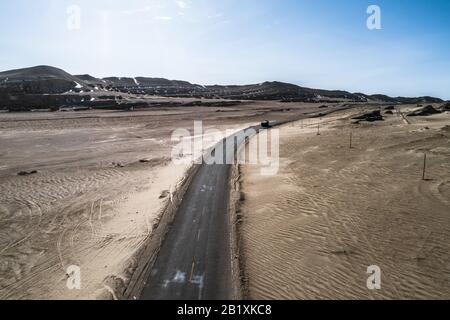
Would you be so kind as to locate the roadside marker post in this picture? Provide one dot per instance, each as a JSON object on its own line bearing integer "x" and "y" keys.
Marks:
{"x": 351, "y": 139}
{"x": 424, "y": 166}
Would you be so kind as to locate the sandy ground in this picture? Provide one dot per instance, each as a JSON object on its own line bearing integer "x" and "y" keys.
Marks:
{"x": 311, "y": 231}
{"x": 92, "y": 203}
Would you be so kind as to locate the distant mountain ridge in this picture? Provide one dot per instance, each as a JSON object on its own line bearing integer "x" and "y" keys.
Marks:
{"x": 51, "y": 80}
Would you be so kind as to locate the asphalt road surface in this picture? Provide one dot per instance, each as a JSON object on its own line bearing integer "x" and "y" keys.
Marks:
{"x": 194, "y": 262}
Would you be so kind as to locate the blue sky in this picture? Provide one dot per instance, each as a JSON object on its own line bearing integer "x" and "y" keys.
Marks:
{"x": 315, "y": 43}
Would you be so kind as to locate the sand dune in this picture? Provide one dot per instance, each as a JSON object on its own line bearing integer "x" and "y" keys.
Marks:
{"x": 333, "y": 211}
{"x": 95, "y": 219}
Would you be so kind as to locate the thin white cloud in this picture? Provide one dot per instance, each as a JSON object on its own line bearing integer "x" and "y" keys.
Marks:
{"x": 215, "y": 16}
{"x": 182, "y": 4}
{"x": 163, "y": 18}
{"x": 140, "y": 10}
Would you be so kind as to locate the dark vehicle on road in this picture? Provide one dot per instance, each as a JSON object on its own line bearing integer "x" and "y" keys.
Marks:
{"x": 266, "y": 124}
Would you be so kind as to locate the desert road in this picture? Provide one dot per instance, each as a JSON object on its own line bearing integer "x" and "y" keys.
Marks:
{"x": 194, "y": 262}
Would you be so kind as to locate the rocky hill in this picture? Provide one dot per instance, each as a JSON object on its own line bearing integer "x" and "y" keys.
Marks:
{"x": 49, "y": 86}
{"x": 38, "y": 80}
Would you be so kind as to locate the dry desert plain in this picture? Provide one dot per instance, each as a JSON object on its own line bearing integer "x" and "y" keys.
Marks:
{"x": 101, "y": 181}
{"x": 103, "y": 178}
{"x": 311, "y": 231}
